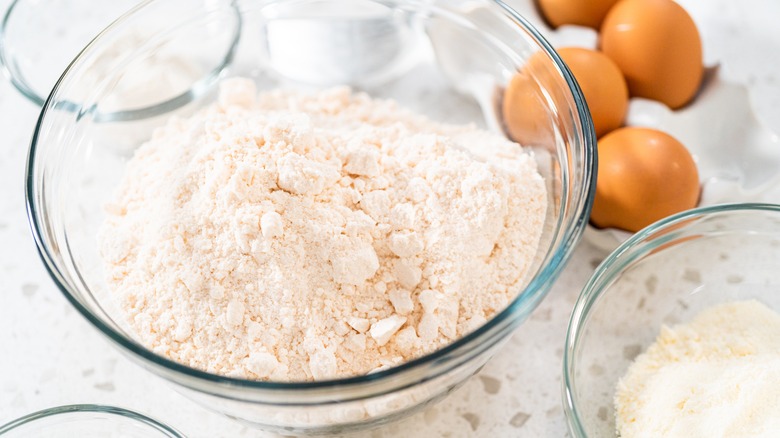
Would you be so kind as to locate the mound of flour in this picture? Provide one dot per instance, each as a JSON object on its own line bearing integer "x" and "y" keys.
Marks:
{"x": 295, "y": 237}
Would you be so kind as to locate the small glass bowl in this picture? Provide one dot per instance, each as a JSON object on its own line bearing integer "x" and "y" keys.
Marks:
{"x": 33, "y": 61}
{"x": 62, "y": 28}
{"x": 87, "y": 421}
{"x": 664, "y": 275}
{"x": 448, "y": 59}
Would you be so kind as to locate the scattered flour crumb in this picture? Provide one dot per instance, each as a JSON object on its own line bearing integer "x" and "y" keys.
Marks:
{"x": 295, "y": 237}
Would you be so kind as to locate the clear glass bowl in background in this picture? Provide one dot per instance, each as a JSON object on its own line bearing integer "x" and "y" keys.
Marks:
{"x": 33, "y": 63}
{"x": 664, "y": 275}
{"x": 87, "y": 421}
{"x": 447, "y": 59}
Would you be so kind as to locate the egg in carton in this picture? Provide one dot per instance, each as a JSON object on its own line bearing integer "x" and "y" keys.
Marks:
{"x": 736, "y": 155}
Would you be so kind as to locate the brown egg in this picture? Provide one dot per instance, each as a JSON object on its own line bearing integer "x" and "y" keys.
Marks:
{"x": 603, "y": 85}
{"x": 526, "y": 102}
{"x": 657, "y": 46}
{"x": 644, "y": 175}
{"x": 588, "y": 13}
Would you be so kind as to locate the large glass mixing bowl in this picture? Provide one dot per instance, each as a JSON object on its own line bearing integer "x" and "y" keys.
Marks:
{"x": 450, "y": 60}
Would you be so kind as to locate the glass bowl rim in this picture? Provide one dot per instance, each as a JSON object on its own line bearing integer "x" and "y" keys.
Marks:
{"x": 631, "y": 248}
{"x": 524, "y": 302}
{"x": 90, "y": 408}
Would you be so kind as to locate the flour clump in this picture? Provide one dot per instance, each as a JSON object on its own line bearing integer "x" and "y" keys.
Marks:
{"x": 295, "y": 237}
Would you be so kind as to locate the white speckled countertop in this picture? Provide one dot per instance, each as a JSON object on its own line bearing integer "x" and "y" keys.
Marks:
{"x": 49, "y": 355}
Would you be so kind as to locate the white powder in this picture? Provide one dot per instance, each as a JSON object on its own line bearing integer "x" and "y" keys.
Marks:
{"x": 718, "y": 376}
{"x": 295, "y": 237}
